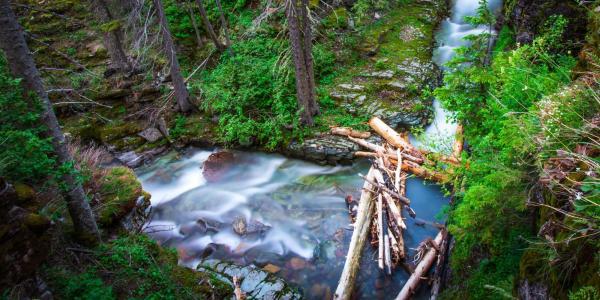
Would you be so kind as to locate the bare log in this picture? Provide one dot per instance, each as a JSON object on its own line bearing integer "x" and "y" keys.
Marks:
{"x": 380, "y": 235}
{"x": 394, "y": 211}
{"x": 378, "y": 149}
{"x": 391, "y": 136}
{"x": 384, "y": 188}
{"x": 387, "y": 255}
{"x": 437, "y": 275}
{"x": 424, "y": 173}
{"x": 347, "y": 131}
{"x": 359, "y": 237}
{"x": 413, "y": 282}
{"x": 366, "y": 144}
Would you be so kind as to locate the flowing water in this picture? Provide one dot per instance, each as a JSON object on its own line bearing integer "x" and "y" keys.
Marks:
{"x": 297, "y": 209}
{"x": 450, "y": 36}
{"x": 295, "y": 213}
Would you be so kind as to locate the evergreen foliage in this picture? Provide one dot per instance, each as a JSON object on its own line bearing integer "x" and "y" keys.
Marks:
{"x": 25, "y": 155}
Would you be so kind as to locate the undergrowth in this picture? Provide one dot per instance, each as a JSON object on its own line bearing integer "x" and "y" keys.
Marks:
{"x": 133, "y": 267}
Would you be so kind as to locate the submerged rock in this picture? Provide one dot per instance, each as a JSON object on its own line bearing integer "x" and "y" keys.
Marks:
{"x": 217, "y": 165}
{"x": 242, "y": 227}
{"x": 271, "y": 268}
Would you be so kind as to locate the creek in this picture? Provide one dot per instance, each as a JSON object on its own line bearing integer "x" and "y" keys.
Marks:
{"x": 294, "y": 212}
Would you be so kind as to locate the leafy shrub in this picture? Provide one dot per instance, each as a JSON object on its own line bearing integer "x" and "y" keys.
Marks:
{"x": 253, "y": 92}
{"x": 498, "y": 104}
{"x": 585, "y": 293}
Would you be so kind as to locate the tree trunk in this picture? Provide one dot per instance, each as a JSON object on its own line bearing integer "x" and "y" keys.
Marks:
{"x": 224, "y": 25}
{"x": 195, "y": 25}
{"x": 307, "y": 47}
{"x": 181, "y": 92}
{"x": 113, "y": 38}
{"x": 296, "y": 42}
{"x": 209, "y": 28}
{"x": 21, "y": 64}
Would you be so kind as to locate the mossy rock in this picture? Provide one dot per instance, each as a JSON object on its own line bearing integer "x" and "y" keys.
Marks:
{"x": 119, "y": 192}
{"x": 37, "y": 223}
{"x": 128, "y": 143}
{"x": 112, "y": 132}
{"x": 25, "y": 193}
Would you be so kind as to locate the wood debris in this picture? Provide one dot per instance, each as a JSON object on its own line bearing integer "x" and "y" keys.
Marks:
{"x": 383, "y": 200}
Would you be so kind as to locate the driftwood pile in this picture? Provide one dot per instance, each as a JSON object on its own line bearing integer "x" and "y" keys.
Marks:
{"x": 383, "y": 201}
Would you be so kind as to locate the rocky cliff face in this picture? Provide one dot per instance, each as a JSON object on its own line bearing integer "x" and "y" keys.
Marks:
{"x": 527, "y": 18}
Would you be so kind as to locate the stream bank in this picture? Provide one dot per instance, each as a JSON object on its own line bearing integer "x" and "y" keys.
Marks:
{"x": 389, "y": 70}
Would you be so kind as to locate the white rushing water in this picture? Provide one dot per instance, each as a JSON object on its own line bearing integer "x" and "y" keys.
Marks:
{"x": 440, "y": 134}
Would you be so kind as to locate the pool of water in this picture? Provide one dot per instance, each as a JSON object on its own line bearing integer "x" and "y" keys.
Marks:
{"x": 299, "y": 206}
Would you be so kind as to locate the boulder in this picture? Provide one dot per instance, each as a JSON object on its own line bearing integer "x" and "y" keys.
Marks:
{"x": 325, "y": 149}
{"x": 217, "y": 165}
{"x": 131, "y": 159}
{"x": 254, "y": 227}
{"x": 386, "y": 74}
{"x": 151, "y": 134}
{"x": 255, "y": 283}
{"x": 351, "y": 87}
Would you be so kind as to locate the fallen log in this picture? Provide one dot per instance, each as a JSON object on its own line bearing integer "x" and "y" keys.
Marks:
{"x": 437, "y": 275}
{"x": 426, "y": 174}
{"x": 365, "y": 144}
{"x": 411, "y": 167}
{"x": 392, "y": 137}
{"x": 388, "y": 155}
{"x": 387, "y": 255}
{"x": 413, "y": 281}
{"x": 347, "y": 131}
{"x": 380, "y": 235}
{"x": 394, "y": 211}
{"x": 357, "y": 242}
{"x": 403, "y": 199}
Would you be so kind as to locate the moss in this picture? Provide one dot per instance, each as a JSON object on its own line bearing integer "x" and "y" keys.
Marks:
{"x": 119, "y": 191}
{"x": 37, "y": 223}
{"x": 337, "y": 19}
{"x": 117, "y": 130}
{"x": 25, "y": 193}
{"x": 128, "y": 142}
